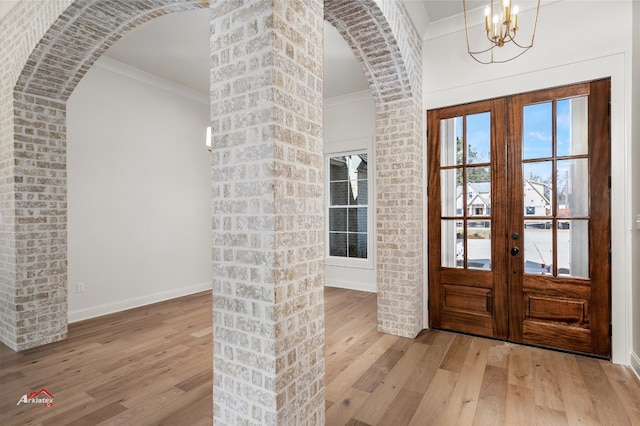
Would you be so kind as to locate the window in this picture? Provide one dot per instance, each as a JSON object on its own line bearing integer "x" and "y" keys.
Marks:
{"x": 348, "y": 206}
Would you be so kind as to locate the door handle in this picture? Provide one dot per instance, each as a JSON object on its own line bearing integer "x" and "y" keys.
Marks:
{"x": 514, "y": 251}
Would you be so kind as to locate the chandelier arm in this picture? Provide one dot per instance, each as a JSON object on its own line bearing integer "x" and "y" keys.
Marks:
{"x": 510, "y": 59}
{"x": 479, "y": 61}
{"x": 523, "y": 47}
{"x": 466, "y": 25}
{"x": 535, "y": 23}
{"x": 481, "y": 51}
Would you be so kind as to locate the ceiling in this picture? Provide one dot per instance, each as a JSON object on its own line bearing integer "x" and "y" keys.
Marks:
{"x": 176, "y": 46}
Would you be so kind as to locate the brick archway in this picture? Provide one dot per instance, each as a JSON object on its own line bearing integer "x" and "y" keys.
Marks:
{"x": 77, "y": 38}
{"x": 387, "y": 46}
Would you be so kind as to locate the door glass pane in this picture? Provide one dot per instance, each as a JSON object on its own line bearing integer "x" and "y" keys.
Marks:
{"x": 479, "y": 244}
{"x": 451, "y": 192}
{"x": 538, "y": 247}
{"x": 479, "y": 138}
{"x": 573, "y": 187}
{"x": 537, "y": 178}
{"x": 452, "y": 247}
{"x": 451, "y": 141}
{"x": 571, "y": 126}
{"x": 573, "y": 248}
{"x": 537, "y": 141}
{"x": 478, "y": 191}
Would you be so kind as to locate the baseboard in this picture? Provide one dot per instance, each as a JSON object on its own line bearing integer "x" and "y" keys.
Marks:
{"x": 352, "y": 285}
{"x": 635, "y": 364}
{"x": 123, "y": 305}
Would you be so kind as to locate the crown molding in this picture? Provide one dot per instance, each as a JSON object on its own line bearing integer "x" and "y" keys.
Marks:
{"x": 349, "y": 98}
{"x": 137, "y": 74}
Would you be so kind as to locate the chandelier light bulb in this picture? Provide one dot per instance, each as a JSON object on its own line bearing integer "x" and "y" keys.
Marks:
{"x": 501, "y": 30}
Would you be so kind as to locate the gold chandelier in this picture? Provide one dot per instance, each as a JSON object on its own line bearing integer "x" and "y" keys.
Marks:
{"x": 501, "y": 29}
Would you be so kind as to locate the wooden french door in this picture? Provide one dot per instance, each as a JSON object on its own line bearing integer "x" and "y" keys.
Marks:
{"x": 519, "y": 218}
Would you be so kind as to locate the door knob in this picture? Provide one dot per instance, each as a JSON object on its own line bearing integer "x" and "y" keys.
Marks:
{"x": 514, "y": 251}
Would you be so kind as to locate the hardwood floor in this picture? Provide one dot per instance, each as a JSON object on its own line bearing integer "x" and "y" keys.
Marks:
{"x": 443, "y": 378}
{"x": 152, "y": 366}
{"x": 146, "y": 366}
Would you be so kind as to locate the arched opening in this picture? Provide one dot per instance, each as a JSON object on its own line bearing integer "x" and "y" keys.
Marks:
{"x": 139, "y": 173}
{"x": 81, "y": 35}
{"x": 86, "y": 29}
{"x": 382, "y": 40}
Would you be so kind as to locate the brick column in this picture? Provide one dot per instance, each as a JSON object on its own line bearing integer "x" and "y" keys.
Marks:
{"x": 40, "y": 221}
{"x": 268, "y": 270}
{"x": 399, "y": 152}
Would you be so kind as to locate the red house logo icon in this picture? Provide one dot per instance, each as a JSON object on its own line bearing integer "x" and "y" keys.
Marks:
{"x": 42, "y": 396}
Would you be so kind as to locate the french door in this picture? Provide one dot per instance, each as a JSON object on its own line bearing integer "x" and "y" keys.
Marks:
{"x": 519, "y": 218}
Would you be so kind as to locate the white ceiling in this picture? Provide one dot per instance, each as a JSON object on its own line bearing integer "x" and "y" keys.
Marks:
{"x": 176, "y": 46}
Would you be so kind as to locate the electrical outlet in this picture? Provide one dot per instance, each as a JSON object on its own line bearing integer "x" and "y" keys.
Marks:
{"x": 80, "y": 288}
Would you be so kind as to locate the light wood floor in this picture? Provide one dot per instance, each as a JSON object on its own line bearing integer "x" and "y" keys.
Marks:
{"x": 444, "y": 378}
{"x": 147, "y": 366}
{"x": 152, "y": 366}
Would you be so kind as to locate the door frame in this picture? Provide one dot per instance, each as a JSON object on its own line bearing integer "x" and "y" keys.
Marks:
{"x": 434, "y": 194}
{"x": 523, "y": 79}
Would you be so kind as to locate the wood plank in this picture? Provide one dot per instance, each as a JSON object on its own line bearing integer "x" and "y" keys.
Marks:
{"x": 606, "y": 402}
{"x": 379, "y": 370}
{"x": 93, "y": 417}
{"x": 436, "y": 400}
{"x": 521, "y": 406}
{"x": 462, "y": 405}
{"x": 492, "y": 399}
{"x": 401, "y": 410}
{"x": 385, "y": 394}
{"x": 499, "y": 355}
{"x": 578, "y": 406}
{"x": 520, "y": 366}
{"x": 423, "y": 373}
{"x": 546, "y": 381}
{"x": 345, "y": 407}
{"x": 626, "y": 385}
{"x": 335, "y": 389}
{"x": 457, "y": 353}
{"x": 549, "y": 416}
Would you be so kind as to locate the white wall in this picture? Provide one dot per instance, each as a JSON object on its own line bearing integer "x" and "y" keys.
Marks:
{"x": 635, "y": 240}
{"x": 349, "y": 125}
{"x": 575, "y": 41}
{"x": 139, "y": 194}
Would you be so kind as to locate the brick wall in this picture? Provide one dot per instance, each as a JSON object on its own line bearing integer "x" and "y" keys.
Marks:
{"x": 385, "y": 41}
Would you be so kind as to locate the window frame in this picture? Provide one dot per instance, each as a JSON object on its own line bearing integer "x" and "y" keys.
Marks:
{"x": 352, "y": 262}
